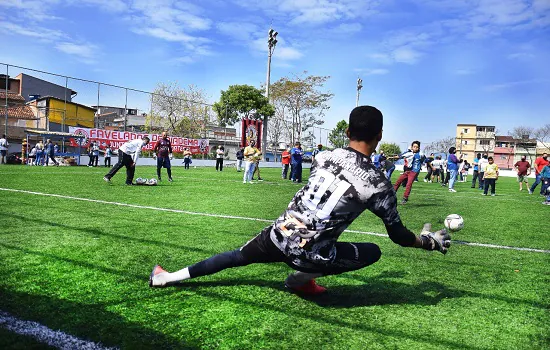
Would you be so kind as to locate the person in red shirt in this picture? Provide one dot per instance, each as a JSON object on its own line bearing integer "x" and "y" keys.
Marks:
{"x": 523, "y": 169}
{"x": 540, "y": 163}
{"x": 286, "y": 162}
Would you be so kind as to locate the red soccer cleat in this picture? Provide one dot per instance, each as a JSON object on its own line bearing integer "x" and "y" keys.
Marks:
{"x": 156, "y": 270}
{"x": 309, "y": 288}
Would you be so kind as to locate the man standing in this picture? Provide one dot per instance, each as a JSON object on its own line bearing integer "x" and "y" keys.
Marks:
{"x": 50, "y": 153}
{"x": 342, "y": 185}
{"x": 163, "y": 153}
{"x": 523, "y": 168}
{"x": 483, "y": 162}
{"x": 429, "y": 167}
{"x": 476, "y": 169}
{"x": 220, "y": 153}
{"x": 452, "y": 166}
{"x": 540, "y": 163}
{"x": 316, "y": 152}
{"x": 296, "y": 159}
{"x": 240, "y": 157}
{"x": 95, "y": 153}
{"x": 285, "y": 160}
{"x": 3, "y": 149}
{"x": 413, "y": 161}
{"x": 108, "y": 155}
{"x": 250, "y": 154}
{"x": 128, "y": 154}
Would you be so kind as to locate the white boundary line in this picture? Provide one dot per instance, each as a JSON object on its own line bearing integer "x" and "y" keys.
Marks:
{"x": 533, "y": 250}
{"x": 46, "y": 335}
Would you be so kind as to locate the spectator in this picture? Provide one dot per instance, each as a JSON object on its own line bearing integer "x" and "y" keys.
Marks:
{"x": 315, "y": 153}
{"x": 540, "y": 163}
{"x": 545, "y": 179}
{"x": 240, "y": 157}
{"x": 464, "y": 172}
{"x": 490, "y": 177}
{"x": 95, "y": 153}
{"x": 39, "y": 152}
{"x": 220, "y": 153}
{"x": 128, "y": 154}
{"x": 55, "y": 148}
{"x": 437, "y": 163}
{"x": 452, "y": 166}
{"x": 523, "y": 168}
{"x": 257, "y": 159}
{"x": 32, "y": 156}
{"x": 389, "y": 167}
{"x": 476, "y": 169}
{"x": 187, "y": 158}
{"x": 4, "y": 144}
{"x": 50, "y": 153}
{"x": 91, "y": 154}
{"x": 163, "y": 153}
{"x": 483, "y": 162}
{"x": 250, "y": 153}
{"x": 108, "y": 155}
{"x": 413, "y": 162}
{"x": 296, "y": 154}
{"x": 429, "y": 168}
{"x": 285, "y": 160}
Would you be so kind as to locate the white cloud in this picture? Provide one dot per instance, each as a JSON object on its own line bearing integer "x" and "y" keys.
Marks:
{"x": 510, "y": 84}
{"x": 520, "y": 56}
{"x": 406, "y": 55}
{"x": 44, "y": 34}
{"x": 87, "y": 53}
{"x": 105, "y": 5}
{"x": 288, "y": 53}
{"x": 372, "y": 71}
{"x": 240, "y": 31}
{"x": 348, "y": 28}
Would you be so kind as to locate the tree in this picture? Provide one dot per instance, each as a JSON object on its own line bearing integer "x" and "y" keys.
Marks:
{"x": 522, "y": 134}
{"x": 179, "y": 111}
{"x": 543, "y": 135}
{"x": 337, "y": 136}
{"x": 389, "y": 149}
{"x": 301, "y": 103}
{"x": 242, "y": 101}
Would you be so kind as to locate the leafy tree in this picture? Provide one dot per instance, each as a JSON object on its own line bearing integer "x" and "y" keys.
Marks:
{"x": 389, "y": 148}
{"x": 337, "y": 136}
{"x": 179, "y": 111}
{"x": 242, "y": 101}
{"x": 301, "y": 103}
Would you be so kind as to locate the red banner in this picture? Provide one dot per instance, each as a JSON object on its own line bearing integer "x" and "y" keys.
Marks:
{"x": 251, "y": 130}
{"x": 116, "y": 138}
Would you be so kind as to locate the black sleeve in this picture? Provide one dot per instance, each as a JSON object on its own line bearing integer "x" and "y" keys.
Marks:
{"x": 170, "y": 146}
{"x": 401, "y": 235}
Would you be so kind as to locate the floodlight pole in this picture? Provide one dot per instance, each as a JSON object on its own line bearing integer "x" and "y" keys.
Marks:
{"x": 6, "y": 105}
{"x": 359, "y": 86}
{"x": 271, "y": 43}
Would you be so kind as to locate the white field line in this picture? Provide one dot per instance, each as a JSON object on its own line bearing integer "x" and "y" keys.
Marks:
{"x": 46, "y": 335}
{"x": 246, "y": 218}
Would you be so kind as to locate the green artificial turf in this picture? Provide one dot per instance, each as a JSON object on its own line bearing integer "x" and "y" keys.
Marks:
{"x": 82, "y": 267}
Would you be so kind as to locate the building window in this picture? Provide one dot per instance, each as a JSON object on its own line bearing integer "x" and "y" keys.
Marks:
{"x": 503, "y": 157}
{"x": 484, "y": 142}
{"x": 465, "y": 142}
{"x": 465, "y": 131}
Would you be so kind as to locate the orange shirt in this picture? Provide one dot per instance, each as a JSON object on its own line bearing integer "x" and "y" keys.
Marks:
{"x": 286, "y": 157}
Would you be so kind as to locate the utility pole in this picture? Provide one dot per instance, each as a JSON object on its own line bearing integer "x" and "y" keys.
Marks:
{"x": 271, "y": 43}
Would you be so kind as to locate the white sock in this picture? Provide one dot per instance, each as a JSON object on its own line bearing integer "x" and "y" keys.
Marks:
{"x": 299, "y": 278}
{"x": 166, "y": 277}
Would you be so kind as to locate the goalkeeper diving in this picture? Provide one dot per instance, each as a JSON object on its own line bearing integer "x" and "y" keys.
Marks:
{"x": 343, "y": 184}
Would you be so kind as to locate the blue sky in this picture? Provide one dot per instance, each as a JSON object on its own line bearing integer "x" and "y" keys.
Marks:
{"x": 427, "y": 64}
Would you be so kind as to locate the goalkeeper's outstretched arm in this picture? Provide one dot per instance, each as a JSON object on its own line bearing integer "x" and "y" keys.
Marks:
{"x": 439, "y": 240}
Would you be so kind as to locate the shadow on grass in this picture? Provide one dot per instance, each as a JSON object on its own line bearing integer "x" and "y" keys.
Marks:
{"x": 89, "y": 322}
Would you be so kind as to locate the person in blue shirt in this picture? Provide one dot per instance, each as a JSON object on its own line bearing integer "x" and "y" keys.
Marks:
{"x": 375, "y": 157}
{"x": 413, "y": 162}
{"x": 296, "y": 159}
{"x": 452, "y": 166}
{"x": 476, "y": 169}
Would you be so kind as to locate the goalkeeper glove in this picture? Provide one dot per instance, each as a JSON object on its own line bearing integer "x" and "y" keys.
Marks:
{"x": 171, "y": 156}
{"x": 439, "y": 240}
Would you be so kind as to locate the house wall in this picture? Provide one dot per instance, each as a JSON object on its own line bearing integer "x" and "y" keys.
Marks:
{"x": 76, "y": 114}
{"x": 34, "y": 86}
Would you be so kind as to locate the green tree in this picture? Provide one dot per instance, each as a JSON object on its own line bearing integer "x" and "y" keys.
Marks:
{"x": 242, "y": 101}
{"x": 337, "y": 136}
{"x": 389, "y": 149}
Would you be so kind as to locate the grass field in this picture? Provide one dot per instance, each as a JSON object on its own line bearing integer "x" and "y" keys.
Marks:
{"x": 82, "y": 267}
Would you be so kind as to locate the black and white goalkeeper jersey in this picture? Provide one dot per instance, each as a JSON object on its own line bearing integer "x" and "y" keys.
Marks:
{"x": 343, "y": 183}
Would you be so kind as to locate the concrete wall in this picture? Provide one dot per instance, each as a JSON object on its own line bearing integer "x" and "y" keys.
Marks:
{"x": 34, "y": 86}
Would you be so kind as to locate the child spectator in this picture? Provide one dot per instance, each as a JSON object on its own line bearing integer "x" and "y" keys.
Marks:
{"x": 187, "y": 158}
{"x": 490, "y": 176}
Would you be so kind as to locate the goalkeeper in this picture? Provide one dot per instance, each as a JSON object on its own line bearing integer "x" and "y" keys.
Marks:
{"x": 163, "y": 153}
{"x": 343, "y": 183}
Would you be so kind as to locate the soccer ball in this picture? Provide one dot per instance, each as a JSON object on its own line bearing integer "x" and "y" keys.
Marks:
{"x": 454, "y": 222}
{"x": 140, "y": 181}
{"x": 152, "y": 182}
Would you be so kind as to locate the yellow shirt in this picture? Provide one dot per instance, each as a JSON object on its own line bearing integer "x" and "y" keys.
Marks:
{"x": 491, "y": 172}
{"x": 250, "y": 153}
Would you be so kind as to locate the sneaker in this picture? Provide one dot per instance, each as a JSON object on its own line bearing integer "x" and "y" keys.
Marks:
{"x": 492, "y": 194}
{"x": 425, "y": 180}
{"x": 484, "y": 194}
{"x": 430, "y": 181}
{"x": 106, "y": 179}
{"x": 159, "y": 178}
{"x": 244, "y": 182}
{"x": 452, "y": 190}
{"x": 153, "y": 282}
{"x": 546, "y": 203}
{"x": 260, "y": 179}
{"x": 309, "y": 288}
{"x": 130, "y": 184}
{"x": 404, "y": 201}
{"x": 530, "y": 192}
{"x": 170, "y": 179}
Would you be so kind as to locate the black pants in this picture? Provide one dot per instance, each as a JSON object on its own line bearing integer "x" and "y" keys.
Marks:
{"x": 480, "y": 175}
{"x": 476, "y": 174}
{"x": 219, "y": 164}
{"x": 51, "y": 156}
{"x": 428, "y": 176}
{"x": 123, "y": 160}
{"x": 285, "y": 171}
{"x": 95, "y": 160}
{"x": 487, "y": 183}
{"x": 349, "y": 257}
{"x": 108, "y": 162}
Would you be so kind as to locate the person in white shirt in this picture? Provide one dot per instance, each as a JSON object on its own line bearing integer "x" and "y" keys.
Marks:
{"x": 483, "y": 162}
{"x": 220, "y": 153}
{"x": 128, "y": 154}
{"x": 3, "y": 149}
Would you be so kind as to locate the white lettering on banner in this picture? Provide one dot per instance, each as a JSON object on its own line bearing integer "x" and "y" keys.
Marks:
{"x": 117, "y": 138}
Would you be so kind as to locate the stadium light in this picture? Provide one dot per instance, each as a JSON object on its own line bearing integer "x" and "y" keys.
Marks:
{"x": 359, "y": 87}
{"x": 271, "y": 43}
